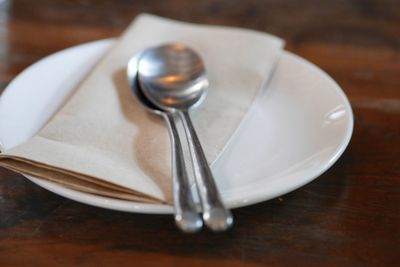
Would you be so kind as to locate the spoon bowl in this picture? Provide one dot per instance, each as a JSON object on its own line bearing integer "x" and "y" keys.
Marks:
{"x": 173, "y": 75}
{"x": 135, "y": 86}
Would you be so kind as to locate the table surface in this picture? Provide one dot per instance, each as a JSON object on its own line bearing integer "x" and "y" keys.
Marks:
{"x": 349, "y": 216}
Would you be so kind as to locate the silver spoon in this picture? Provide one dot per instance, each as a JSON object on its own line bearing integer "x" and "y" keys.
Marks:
{"x": 185, "y": 213}
{"x": 173, "y": 78}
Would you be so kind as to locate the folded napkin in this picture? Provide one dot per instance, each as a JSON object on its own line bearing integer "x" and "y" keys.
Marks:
{"x": 104, "y": 142}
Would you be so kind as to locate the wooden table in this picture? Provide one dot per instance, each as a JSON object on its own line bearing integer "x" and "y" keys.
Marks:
{"x": 349, "y": 216}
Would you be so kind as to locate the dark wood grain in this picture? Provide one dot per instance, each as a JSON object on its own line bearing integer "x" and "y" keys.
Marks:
{"x": 350, "y": 216}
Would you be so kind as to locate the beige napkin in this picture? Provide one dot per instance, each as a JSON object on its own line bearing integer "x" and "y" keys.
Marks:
{"x": 102, "y": 141}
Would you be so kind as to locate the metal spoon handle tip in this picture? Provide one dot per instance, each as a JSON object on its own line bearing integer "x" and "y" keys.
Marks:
{"x": 186, "y": 215}
{"x": 215, "y": 215}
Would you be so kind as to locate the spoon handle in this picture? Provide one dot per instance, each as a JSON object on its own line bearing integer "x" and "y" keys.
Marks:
{"x": 186, "y": 216}
{"x": 215, "y": 215}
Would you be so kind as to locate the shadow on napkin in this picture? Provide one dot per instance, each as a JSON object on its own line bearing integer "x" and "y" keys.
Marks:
{"x": 144, "y": 155}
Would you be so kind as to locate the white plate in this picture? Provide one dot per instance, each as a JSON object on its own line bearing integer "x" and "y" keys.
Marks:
{"x": 296, "y": 130}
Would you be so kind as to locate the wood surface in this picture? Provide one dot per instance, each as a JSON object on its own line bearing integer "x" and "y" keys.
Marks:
{"x": 349, "y": 216}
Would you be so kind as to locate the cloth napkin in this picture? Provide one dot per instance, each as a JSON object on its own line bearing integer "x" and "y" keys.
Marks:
{"x": 103, "y": 141}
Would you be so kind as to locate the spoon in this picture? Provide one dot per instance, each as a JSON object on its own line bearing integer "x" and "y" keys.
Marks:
{"x": 185, "y": 213}
{"x": 173, "y": 78}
